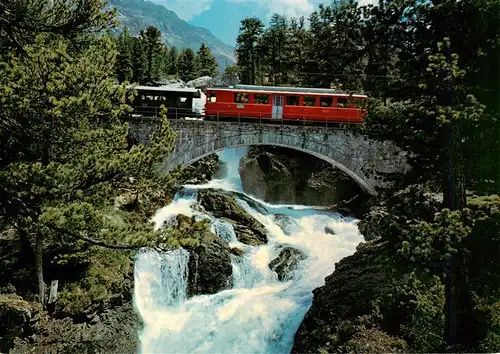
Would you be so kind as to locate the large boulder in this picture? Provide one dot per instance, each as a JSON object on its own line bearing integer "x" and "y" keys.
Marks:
{"x": 201, "y": 83}
{"x": 209, "y": 265}
{"x": 286, "y": 263}
{"x": 204, "y": 170}
{"x": 286, "y": 176}
{"x": 247, "y": 229}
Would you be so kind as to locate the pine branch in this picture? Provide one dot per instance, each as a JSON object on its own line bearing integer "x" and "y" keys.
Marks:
{"x": 93, "y": 241}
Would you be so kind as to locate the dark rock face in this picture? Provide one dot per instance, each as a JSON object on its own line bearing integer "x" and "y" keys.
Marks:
{"x": 112, "y": 332}
{"x": 286, "y": 263}
{"x": 247, "y": 229}
{"x": 209, "y": 265}
{"x": 286, "y": 176}
{"x": 237, "y": 251}
{"x": 347, "y": 295}
{"x": 204, "y": 170}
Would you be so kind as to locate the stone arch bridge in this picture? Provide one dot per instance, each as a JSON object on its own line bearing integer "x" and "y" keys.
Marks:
{"x": 369, "y": 162}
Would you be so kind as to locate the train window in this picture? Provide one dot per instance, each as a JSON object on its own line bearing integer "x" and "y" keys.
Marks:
{"x": 261, "y": 99}
{"x": 292, "y": 100}
{"x": 213, "y": 96}
{"x": 241, "y": 97}
{"x": 326, "y": 101}
{"x": 341, "y": 102}
{"x": 309, "y": 101}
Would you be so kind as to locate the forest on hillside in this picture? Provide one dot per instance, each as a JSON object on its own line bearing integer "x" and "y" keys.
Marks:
{"x": 146, "y": 59}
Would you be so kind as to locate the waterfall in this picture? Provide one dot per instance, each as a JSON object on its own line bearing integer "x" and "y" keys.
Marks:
{"x": 259, "y": 314}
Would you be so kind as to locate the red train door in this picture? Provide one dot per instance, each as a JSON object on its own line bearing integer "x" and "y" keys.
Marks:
{"x": 278, "y": 102}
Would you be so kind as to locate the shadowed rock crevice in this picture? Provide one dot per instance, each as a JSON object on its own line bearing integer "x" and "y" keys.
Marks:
{"x": 286, "y": 176}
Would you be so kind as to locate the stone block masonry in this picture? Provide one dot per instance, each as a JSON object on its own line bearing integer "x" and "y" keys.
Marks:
{"x": 369, "y": 162}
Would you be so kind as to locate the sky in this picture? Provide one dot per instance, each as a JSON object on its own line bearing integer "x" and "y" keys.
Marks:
{"x": 222, "y": 17}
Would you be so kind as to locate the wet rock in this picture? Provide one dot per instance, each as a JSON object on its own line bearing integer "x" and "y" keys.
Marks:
{"x": 247, "y": 229}
{"x": 184, "y": 222}
{"x": 329, "y": 230}
{"x": 284, "y": 222}
{"x": 204, "y": 170}
{"x": 237, "y": 251}
{"x": 209, "y": 265}
{"x": 286, "y": 263}
{"x": 253, "y": 236}
{"x": 375, "y": 223}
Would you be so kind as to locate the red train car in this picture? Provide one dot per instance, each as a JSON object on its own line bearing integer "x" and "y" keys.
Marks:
{"x": 285, "y": 103}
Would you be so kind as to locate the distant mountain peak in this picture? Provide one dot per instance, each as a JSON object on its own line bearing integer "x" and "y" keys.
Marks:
{"x": 139, "y": 14}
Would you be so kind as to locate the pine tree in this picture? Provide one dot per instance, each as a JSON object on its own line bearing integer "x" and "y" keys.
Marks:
{"x": 205, "y": 62}
{"x": 19, "y": 20}
{"x": 273, "y": 44}
{"x": 248, "y": 39}
{"x": 139, "y": 61}
{"x": 230, "y": 76}
{"x": 336, "y": 50}
{"x": 173, "y": 61}
{"x": 124, "y": 62}
{"x": 153, "y": 46}
{"x": 65, "y": 158}
{"x": 296, "y": 51}
{"x": 187, "y": 65}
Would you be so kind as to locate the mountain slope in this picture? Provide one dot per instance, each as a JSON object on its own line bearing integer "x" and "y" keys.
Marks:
{"x": 138, "y": 14}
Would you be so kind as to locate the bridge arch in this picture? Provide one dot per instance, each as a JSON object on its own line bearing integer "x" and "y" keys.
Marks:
{"x": 359, "y": 180}
{"x": 368, "y": 162}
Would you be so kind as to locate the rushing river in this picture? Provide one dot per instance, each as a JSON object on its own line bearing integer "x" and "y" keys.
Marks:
{"x": 259, "y": 314}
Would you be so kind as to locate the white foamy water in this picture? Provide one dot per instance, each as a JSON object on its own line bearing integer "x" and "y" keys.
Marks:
{"x": 259, "y": 314}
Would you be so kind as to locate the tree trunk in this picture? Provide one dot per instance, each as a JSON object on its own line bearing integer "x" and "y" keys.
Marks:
{"x": 39, "y": 267}
{"x": 454, "y": 196}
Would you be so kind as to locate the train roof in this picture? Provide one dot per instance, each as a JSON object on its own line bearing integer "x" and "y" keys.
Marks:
{"x": 285, "y": 90}
{"x": 165, "y": 89}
